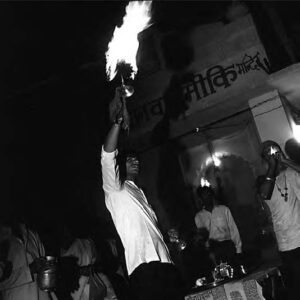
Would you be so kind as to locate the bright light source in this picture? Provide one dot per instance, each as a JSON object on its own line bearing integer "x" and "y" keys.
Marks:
{"x": 215, "y": 159}
{"x": 273, "y": 150}
{"x": 204, "y": 182}
{"x": 124, "y": 44}
{"x": 296, "y": 132}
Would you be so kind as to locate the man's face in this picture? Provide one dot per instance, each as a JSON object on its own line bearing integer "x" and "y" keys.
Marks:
{"x": 207, "y": 198}
{"x": 132, "y": 165}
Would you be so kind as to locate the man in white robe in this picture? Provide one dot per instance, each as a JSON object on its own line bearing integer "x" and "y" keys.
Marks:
{"x": 20, "y": 283}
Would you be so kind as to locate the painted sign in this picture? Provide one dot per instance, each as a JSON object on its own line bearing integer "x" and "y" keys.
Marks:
{"x": 205, "y": 87}
{"x": 237, "y": 63}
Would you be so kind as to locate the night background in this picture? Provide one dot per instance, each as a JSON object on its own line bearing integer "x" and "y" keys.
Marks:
{"x": 55, "y": 95}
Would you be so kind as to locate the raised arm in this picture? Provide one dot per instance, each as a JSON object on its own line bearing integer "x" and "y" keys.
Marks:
{"x": 110, "y": 169}
{"x": 266, "y": 188}
{"x": 111, "y": 141}
{"x": 117, "y": 111}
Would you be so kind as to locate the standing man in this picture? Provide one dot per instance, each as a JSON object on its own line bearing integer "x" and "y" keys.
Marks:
{"x": 25, "y": 254}
{"x": 281, "y": 189}
{"x": 151, "y": 272}
{"x": 215, "y": 223}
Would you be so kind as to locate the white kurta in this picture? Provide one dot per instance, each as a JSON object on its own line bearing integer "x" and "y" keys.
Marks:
{"x": 21, "y": 285}
{"x": 84, "y": 250}
{"x": 133, "y": 217}
{"x": 286, "y": 214}
{"x": 220, "y": 225}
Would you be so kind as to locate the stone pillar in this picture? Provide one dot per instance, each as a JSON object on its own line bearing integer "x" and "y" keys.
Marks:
{"x": 270, "y": 118}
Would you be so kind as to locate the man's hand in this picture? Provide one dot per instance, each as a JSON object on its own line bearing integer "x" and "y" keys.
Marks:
{"x": 117, "y": 109}
{"x": 273, "y": 161}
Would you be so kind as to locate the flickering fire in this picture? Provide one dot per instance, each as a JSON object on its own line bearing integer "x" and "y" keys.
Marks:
{"x": 273, "y": 150}
{"x": 204, "y": 182}
{"x": 215, "y": 159}
{"x": 124, "y": 44}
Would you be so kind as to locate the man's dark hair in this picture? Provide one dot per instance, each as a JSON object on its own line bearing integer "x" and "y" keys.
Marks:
{"x": 121, "y": 161}
{"x": 203, "y": 189}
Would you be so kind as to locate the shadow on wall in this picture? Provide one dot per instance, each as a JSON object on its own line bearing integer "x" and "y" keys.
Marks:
{"x": 171, "y": 188}
{"x": 172, "y": 191}
{"x": 177, "y": 51}
{"x": 236, "y": 190}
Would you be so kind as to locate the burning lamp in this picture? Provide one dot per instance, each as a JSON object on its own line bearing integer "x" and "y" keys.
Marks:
{"x": 273, "y": 151}
{"x": 122, "y": 50}
{"x": 128, "y": 90}
{"x": 125, "y": 70}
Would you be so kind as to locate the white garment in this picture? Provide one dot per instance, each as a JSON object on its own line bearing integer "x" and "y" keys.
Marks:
{"x": 286, "y": 214}
{"x": 133, "y": 217}
{"x": 220, "y": 225}
{"x": 21, "y": 285}
{"x": 84, "y": 250}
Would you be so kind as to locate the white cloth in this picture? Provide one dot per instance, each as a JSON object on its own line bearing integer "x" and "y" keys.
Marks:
{"x": 133, "y": 217}
{"x": 84, "y": 250}
{"x": 286, "y": 214}
{"x": 21, "y": 285}
{"x": 220, "y": 225}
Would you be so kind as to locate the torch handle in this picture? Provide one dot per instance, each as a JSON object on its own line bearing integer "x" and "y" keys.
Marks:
{"x": 124, "y": 113}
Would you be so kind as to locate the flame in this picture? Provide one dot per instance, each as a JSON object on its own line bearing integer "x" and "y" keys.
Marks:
{"x": 296, "y": 132}
{"x": 204, "y": 182}
{"x": 215, "y": 159}
{"x": 273, "y": 150}
{"x": 124, "y": 44}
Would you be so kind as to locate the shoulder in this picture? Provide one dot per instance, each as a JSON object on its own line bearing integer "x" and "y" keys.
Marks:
{"x": 222, "y": 210}
{"x": 221, "y": 207}
{"x": 288, "y": 172}
{"x": 199, "y": 214}
{"x": 289, "y": 175}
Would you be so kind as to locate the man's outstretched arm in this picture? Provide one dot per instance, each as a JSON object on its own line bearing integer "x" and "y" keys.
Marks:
{"x": 110, "y": 169}
{"x": 111, "y": 141}
{"x": 266, "y": 188}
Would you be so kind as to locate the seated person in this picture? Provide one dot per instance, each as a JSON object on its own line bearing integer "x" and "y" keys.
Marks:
{"x": 89, "y": 282}
{"x": 216, "y": 225}
{"x": 21, "y": 255}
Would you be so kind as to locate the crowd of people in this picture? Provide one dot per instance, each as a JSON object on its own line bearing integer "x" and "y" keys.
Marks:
{"x": 147, "y": 266}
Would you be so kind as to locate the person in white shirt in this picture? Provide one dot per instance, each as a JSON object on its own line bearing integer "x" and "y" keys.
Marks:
{"x": 281, "y": 190}
{"x": 216, "y": 224}
{"x": 151, "y": 271}
{"x": 25, "y": 252}
{"x": 92, "y": 284}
